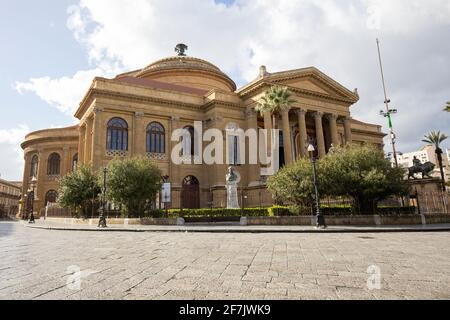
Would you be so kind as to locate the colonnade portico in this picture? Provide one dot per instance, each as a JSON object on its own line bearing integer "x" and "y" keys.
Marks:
{"x": 296, "y": 118}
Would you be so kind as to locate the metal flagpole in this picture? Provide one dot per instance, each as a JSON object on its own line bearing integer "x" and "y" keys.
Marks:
{"x": 388, "y": 112}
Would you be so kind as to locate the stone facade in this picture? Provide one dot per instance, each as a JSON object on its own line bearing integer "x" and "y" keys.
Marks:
{"x": 117, "y": 118}
{"x": 10, "y": 193}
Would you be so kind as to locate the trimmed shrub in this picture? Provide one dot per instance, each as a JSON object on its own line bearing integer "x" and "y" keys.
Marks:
{"x": 275, "y": 211}
{"x": 219, "y": 212}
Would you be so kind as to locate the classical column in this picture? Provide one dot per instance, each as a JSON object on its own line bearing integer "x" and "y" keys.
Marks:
{"x": 332, "y": 120}
{"x": 286, "y": 136}
{"x": 96, "y": 144}
{"x": 26, "y": 177}
{"x": 81, "y": 143}
{"x": 174, "y": 170}
{"x": 42, "y": 173}
{"x": 88, "y": 141}
{"x": 303, "y": 135}
{"x": 319, "y": 134}
{"x": 348, "y": 130}
{"x": 139, "y": 135}
{"x": 254, "y": 170}
{"x": 268, "y": 127}
{"x": 64, "y": 163}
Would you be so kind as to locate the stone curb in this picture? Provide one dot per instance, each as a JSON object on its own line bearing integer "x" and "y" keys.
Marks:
{"x": 246, "y": 230}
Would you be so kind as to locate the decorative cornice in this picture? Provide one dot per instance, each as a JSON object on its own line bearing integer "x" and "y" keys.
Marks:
{"x": 28, "y": 143}
{"x": 140, "y": 98}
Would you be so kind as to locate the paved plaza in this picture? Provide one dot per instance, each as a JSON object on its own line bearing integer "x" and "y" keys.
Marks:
{"x": 55, "y": 264}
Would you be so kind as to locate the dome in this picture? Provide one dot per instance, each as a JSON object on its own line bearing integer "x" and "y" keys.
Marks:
{"x": 188, "y": 71}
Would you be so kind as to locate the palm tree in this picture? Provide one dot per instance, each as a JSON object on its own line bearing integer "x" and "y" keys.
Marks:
{"x": 436, "y": 138}
{"x": 275, "y": 100}
{"x": 447, "y": 107}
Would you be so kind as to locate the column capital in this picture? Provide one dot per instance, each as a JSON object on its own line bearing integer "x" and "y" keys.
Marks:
{"x": 250, "y": 112}
{"x": 285, "y": 111}
{"x": 174, "y": 118}
{"x": 301, "y": 111}
{"x": 332, "y": 116}
{"x": 98, "y": 110}
{"x": 318, "y": 114}
{"x": 138, "y": 114}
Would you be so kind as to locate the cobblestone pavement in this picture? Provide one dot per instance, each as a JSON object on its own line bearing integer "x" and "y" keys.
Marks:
{"x": 44, "y": 264}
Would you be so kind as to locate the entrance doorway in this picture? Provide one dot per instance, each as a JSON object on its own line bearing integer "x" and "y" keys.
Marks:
{"x": 190, "y": 193}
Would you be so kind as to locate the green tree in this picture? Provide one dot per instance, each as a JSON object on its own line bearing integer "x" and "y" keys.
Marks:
{"x": 79, "y": 190}
{"x": 294, "y": 183}
{"x": 133, "y": 183}
{"x": 359, "y": 172}
{"x": 364, "y": 174}
{"x": 435, "y": 138}
{"x": 275, "y": 100}
{"x": 447, "y": 107}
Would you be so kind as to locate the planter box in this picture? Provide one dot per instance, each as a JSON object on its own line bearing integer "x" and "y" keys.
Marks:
{"x": 211, "y": 219}
{"x": 159, "y": 221}
{"x": 117, "y": 221}
{"x": 437, "y": 218}
{"x": 279, "y": 221}
{"x": 401, "y": 219}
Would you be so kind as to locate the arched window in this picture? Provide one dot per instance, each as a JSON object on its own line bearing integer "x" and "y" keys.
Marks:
{"x": 188, "y": 141}
{"x": 117, "y": 135}
{"x": 156, "y": 142}
{"x": 34, "y": 166}
{"x": 74, "y": 162}
{"x": 54, "y": 161}
{"x": 51, "y": 196}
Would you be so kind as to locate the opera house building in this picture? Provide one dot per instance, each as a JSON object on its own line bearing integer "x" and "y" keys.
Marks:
{"x": 136, "y": 113}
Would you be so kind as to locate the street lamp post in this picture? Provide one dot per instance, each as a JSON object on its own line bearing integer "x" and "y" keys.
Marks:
{"x": 102, "y": 209}
{"x": 319, "y": 216}
{"x": 25, "y": 206}
{"x": 31, "y": 194}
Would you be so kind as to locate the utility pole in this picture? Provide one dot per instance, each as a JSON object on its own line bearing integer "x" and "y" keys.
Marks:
{"x": 388, "y": 112}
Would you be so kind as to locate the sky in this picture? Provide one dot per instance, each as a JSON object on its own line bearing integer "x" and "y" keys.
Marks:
{"x": 51, "y": 51}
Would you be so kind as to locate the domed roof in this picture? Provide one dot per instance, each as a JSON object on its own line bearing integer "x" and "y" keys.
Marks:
{"x": 181, "y": 62}
{"x": 186, "y": 68}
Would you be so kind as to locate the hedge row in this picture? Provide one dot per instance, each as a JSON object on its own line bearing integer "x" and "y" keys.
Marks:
{"x": 275, "y": 211}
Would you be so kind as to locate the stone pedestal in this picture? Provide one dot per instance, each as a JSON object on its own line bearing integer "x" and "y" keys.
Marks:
{"x": 425, "y": 185}
{"x": 232, "y": 196}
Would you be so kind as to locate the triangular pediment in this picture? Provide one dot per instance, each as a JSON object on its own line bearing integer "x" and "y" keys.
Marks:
{"x": 309, "y": 84}
{"x": 306, "y": 81}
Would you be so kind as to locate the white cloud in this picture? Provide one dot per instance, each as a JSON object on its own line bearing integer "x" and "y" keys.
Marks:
{"x": 336, "y": 36}
{"x": 64, "y": 93}
{"x": 11, "y": 161}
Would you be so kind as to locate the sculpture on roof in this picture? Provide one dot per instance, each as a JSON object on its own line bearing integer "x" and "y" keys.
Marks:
{"x": 180, "y": 49}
